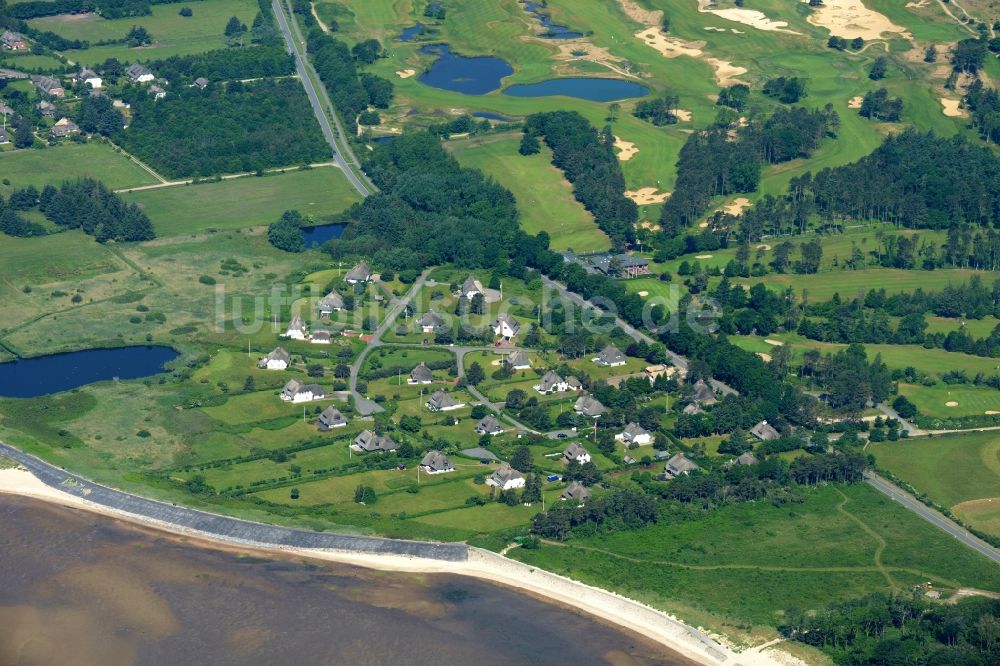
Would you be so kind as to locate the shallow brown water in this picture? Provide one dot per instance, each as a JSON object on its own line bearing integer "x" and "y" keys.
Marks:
{"x": 81, "y": 589}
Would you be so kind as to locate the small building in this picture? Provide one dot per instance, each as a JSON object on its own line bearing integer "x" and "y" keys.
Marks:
{"x": 13, "y": 41}
{"x": 297, "y": 329}
{"x": 359, "y": 274}
{"x": 747, "y": 459}
{"x": 506, "y": 326}
{"x": 678, "y": 465}
{"x": 295, "y": 392}
{"x": 551, "y": 382}
{"x": 635, "y": 434}
{"x": 436, "y": 462}
{"x": 489, "y": 425}
{"x": 610, "y": 357}
{"x": 506, "y": 478}
{"x": 659, "y": 370}
{"x": 420, "y": 375}
{"x": 517, "y": 360}
{"x": 201, "y": 83}
{"x": 692, "y": 409}
{"x": 46, "y": 108}
{"x": 589, "y": 406}
{"x": 48, "y": 85}
{"x": 662, "y": 454}
{"x": 371, "y": 442}
{"x": 332, "y": 302}
{"x": 137, "y": 73}
{"x": 64, "y": 127}
{"x": 576, "y": 452}
{"x": 276, "y": 359}
{"x": 764, "y": 431}
{"x": 88, "y": 77}
{"x": 320, "y": 338}
{"x": 576, "y": 492}
{"x": 703, "y": 393}
{"x": 442, "y": 401}
{"x": 472, "y": 287}
{"x": 430, "y": 322}
{"x": 574, "y": 384}
{"x": 619, "y": 265}
{"x": 330, "y": 418}
{"x": 157, "y": 92}
{"x": 5, "y": 110}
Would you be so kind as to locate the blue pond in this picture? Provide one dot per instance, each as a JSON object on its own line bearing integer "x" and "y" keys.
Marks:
{"x": 592, "y": 89}
{"x": 411, "y": 33}
{"x": 30, "y": 377}
{"x": 552, "y": 30}
{"x": 316, "y": 236}
{"x": 473, "y": 76}
{"x": 489, "y": 115}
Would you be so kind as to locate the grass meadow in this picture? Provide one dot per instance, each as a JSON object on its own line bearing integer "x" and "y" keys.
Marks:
{"x": 46, "y": 166}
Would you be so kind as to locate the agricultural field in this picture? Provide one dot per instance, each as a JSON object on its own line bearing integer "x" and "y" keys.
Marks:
{"x": 68, "y": 161}
{"x": 544, "y": 197}
{"x": 238, "y": 203}
{"x": 960, "y": 472}
{"x": 172, "y": 33}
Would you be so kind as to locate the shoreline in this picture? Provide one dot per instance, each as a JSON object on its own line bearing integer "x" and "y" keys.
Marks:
{"x": 604, "y": 605}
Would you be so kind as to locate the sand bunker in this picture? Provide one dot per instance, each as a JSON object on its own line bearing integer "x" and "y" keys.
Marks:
{"x": 640, "y": 14}
{"x": 950, "y": 108}
{"x": 764, "y": 356}
{"x": 917, "y": 5}
{"x": 644, "y": 294}
{"x": 652, "y": 226}
{"x": 764, "y": 246}
{"x": 647, "y": 195}
{"x": 669, "y": 47}
{"x": 750, "y": 17}
{"x": 855, "y": 102}
{"x": 951, "y": 403}
{"x": 774, "y": 343}
{"x": 682, "y": 115}
{"x": 725, "y": 71}
{"x": 627, "y": 148}
{"x": 702, "y": 225}
{"x": 405, "y": 73}
{"x": 703, "y": 256}
{"x": 712, "y": 27}
{"x": 991, "y": 412}
{"x": 737, "y": 206}
{"x": 850, "y": 18}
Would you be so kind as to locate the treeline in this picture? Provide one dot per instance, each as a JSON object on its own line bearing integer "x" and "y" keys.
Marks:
{"x": 913, "y": 180}
{"x": 722, "y": 160}
{"x": 13, "y": 224}
{"x": 881, "y": 629}
{"x": 224, "y": 129}
{"x": 336, "y": 65}
{"x": 588, "y": 160}
{"x": 227, "y": 64}
{"x": 109, "y": 9}
{"x": 984, "y": 107}
{"x": 621, "y": 510}
{"x": 430, "y": 210}
{"x": 89, "y": 205}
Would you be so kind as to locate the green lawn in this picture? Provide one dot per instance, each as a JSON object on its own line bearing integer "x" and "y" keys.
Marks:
{"x": 544, "y": 197}
{"x": 934, "y": 401}
{"x": 245, "y": 202}
{"x": 172, "y": 33}
{"x": 40, "y": 167}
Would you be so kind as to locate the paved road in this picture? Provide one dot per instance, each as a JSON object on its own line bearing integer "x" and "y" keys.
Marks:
{"x": 893, "y": 414}
{"x": 224, "y": 527}
{"x": 460, "y": 353}
{"x": 939, "y": 520}
{"x": 302, "y": 66}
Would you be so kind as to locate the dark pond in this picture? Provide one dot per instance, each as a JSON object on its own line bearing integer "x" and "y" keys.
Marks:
{"x": 84, "y": 589}
{"x": 592, "y": 89}
{"x": 321, "y": 233}
{"x": 552, "y": 30}
{"x": 477, "y": 75}
{"x": 489, "y": 115}
{"x": 31, "y": 377}
{"x": 411, "y": 33}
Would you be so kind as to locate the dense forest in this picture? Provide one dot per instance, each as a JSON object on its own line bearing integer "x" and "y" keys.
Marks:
{"x": 110, "y": 9}
{"x": 226, "y": 64}
{"x": 590, "y": 164}
{"x": 901, "y": 629}
{"x": 224, "y": 129}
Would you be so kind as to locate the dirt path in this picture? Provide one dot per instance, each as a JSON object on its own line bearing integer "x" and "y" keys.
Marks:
{"x": 229, "y": 176}
{"x": 873, "y": 534}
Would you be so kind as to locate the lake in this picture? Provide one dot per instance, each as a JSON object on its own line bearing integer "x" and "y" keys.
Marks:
{"x": 475, "y": 75}
{"x": 84, "y": 589}
{"x": 552, "y": 30}
{"x": 31, "y": 377}
{"x": 591, "y": 89}
{"x": 321, "y": 233}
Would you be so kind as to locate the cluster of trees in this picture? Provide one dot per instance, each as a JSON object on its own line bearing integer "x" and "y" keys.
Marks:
{"x": 588, "y": 160}
{"x": 968, "y": 56}
{"x": 787, "y": 90}
{"x": 98, "y": 115}
{"x": 620, "y": 510}
{"x": 429, "y": 211}
{"x": 885, "y": 629}
{"x": 88, "y": 205}
{"x": 336, "y": 65}
{"x": 226, "y": 64}
{"x": 285, "y": 233}
{"x": 109, "y": 9}
{"x": 464, "y": 124}
{"x": 13, "y": 224}
{"x": 238, "y": 127}
{"x": 660, "y": 111}
{"x": 984, "y": 106}
{"x": 877, "y": 105}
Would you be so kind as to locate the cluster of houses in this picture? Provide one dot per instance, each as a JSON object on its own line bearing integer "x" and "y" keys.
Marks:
{"x": 13, "y": 41}
{"x": 297, "y": 330}
{"x": 613, "y": 265}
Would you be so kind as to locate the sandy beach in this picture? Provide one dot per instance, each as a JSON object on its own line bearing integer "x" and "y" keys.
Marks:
{"x": 485, "y": 565}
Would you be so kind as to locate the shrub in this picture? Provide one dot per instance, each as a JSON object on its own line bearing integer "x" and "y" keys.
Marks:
{"x": 206, "y": 279}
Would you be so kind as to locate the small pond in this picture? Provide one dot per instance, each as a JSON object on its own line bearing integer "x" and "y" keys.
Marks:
{"x": 411, "y": 33}
{"x": 591, "y": 89}
{"x": 477, "y": 75}
{"x": 552, "y": 30}
{"x": 318, "y": 235}
{"x": 31, "y": 377}
{"x": 489, "y": 115}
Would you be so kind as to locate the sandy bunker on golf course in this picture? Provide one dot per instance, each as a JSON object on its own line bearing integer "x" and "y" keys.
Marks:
{"x": 627, "y": 149}
{"x": 855, "y": 102}
{"x": 750, "y": 17}
{"x": 647, "y": 195}
{"x": 951, "y": 403}
{"x": 405, "y": 73}
{"x": 850, "y": 19}
{"x": 950, "y": 108}
{"x": 736, "y": 206}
